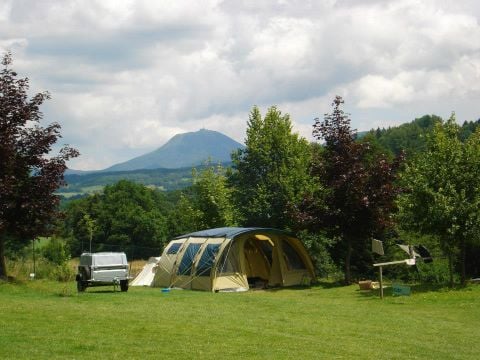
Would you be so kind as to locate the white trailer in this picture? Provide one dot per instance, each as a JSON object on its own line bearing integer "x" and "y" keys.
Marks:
{"x": 103, "y": 268}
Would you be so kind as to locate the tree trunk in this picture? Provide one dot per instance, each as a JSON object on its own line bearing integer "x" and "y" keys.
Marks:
{"x": 348, "y": 276}
{"x": 450, "y": 268}
{"x": 463, "y": 255}
{"x": 3, "y": 265}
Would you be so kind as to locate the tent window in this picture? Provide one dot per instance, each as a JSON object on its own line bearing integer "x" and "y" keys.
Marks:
{"x": 204, "y": 267}
{"x": 294, "y": 261}
{"x": 174, "y": 248}
{"x": 229, "y": 262}
{"x": 187, "y": 259}
{"x": 267, "y": 251}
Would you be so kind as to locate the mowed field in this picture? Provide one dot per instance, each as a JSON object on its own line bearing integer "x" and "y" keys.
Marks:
{"x": 44, "y": 319}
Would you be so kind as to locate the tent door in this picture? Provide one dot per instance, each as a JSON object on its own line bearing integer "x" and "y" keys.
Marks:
{"x": 258, "y": 262}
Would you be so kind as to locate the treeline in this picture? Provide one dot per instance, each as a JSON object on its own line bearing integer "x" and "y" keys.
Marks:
{"x": 412, "y": 137}
{"x": 337, "y": 196}
{"x": 163, "y": 179}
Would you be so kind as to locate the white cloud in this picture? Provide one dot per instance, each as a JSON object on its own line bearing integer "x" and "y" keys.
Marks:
{"x": 378, "y": 91}
{"x": 127, "y": 75}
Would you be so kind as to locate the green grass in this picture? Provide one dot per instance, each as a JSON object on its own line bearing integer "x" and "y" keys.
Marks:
{"x": 43, "y": 319}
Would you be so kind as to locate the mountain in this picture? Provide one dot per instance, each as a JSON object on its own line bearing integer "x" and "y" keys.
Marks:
{"x": 184, "y": 150}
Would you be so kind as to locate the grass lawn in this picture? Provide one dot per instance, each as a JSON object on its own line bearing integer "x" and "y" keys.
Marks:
{"x": 44, "y": 319}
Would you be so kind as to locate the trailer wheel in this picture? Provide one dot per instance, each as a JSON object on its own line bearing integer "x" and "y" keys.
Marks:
{"x": 124, "y": 285}
{"x": 81, "y": 286}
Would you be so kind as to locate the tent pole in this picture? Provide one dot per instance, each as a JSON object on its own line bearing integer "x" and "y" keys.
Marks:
{"x": 381, "y": 282}
{"x": 33, "y": 253}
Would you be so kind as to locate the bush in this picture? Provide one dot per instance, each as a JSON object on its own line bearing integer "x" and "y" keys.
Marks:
{"x": 21, "y": 269}
{"x": 45, "y": 269}
{"x": 318, "y": 247}
{"x": 56, "y": 251}
{"x": 62, "y": 273}
{"x": 436, "y": 272}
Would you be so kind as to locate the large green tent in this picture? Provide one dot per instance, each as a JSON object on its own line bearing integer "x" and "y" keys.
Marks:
{"x": 234, "y": 259}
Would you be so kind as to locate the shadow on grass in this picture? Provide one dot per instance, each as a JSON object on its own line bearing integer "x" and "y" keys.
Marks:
{"x": 11, "y": 280}
{"x": 415, "y": 289}
{"x": 317, "y": 285}
{"x": 277, "y": 289}
{"x": 103, "y": 291}
{"x": 326, "y": 284}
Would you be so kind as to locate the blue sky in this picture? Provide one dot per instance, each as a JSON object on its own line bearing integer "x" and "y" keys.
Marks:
{"x": 125, "y": 76}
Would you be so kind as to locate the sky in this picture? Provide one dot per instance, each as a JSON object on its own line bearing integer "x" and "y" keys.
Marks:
{"x": 127, "y": 75}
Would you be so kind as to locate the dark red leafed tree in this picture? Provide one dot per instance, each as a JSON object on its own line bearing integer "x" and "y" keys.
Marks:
{"x": 359, "y": 183}
{"x": 29, "y": 176}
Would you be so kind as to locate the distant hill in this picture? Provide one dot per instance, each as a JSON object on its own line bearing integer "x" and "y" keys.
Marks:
{"x": 411, "y": 137}
{"x": 162, "y": 179}
{"x": 183, "y": 151}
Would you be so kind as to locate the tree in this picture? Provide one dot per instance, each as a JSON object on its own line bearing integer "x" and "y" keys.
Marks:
{"x": 90, "y": 226}
{"x": 271, "y": 173}
{"x": 185, "y": 217}
{"x": 409, "y": 138}
{"x": 442, "y": 192}
{"x": 29, "y": 177}
{"x": 213, "y": 198}
{"x": 359, "y": 184}
{"x": 126, "y": 216}
{"x": 206, "y": 204}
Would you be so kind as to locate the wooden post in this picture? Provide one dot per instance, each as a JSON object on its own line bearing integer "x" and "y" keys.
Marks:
{"x": 381, "y": 282}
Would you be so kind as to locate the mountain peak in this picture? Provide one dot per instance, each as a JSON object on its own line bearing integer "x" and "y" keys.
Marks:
{"x": 184, "y": 150}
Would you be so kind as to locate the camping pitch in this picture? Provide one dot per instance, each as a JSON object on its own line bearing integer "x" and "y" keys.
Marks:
{"x": 234, "y": 259}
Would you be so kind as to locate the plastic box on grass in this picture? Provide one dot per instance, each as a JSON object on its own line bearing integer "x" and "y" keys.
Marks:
{"x": 401, "y": 290}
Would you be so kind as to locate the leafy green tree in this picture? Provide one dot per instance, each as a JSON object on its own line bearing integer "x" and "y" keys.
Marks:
{"x": 90, "y": 226}
{"x": 56, "y": 251}
{"x": 360, "y": 191}
{"x": 73, "y": 226}
{"x": 409, "y": 137}
{"x": 29, "y": 175}
{"x": 127, "y": 216}
{"x": 271, "y": 174}
{"x": 184, "y": 217}
{"x": 213, "y": 198}
{"x": 442, "y": 195}
{"x": 468, "y": 128}
{"x": 206, "y": 204}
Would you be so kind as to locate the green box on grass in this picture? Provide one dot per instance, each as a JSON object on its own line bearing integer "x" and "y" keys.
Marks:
{"x": 401, "y": 290}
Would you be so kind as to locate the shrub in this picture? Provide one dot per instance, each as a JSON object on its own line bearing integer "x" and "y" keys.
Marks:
{"x": 21, "y": 269}
{"x": 435, "y": 273}
{"x": 56, "y": 251}
{"x": 62, "y": 273}
{"x": 318, "y": 247}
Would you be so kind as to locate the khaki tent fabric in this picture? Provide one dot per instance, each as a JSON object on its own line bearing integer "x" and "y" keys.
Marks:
{"x": 234, "y": 259}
